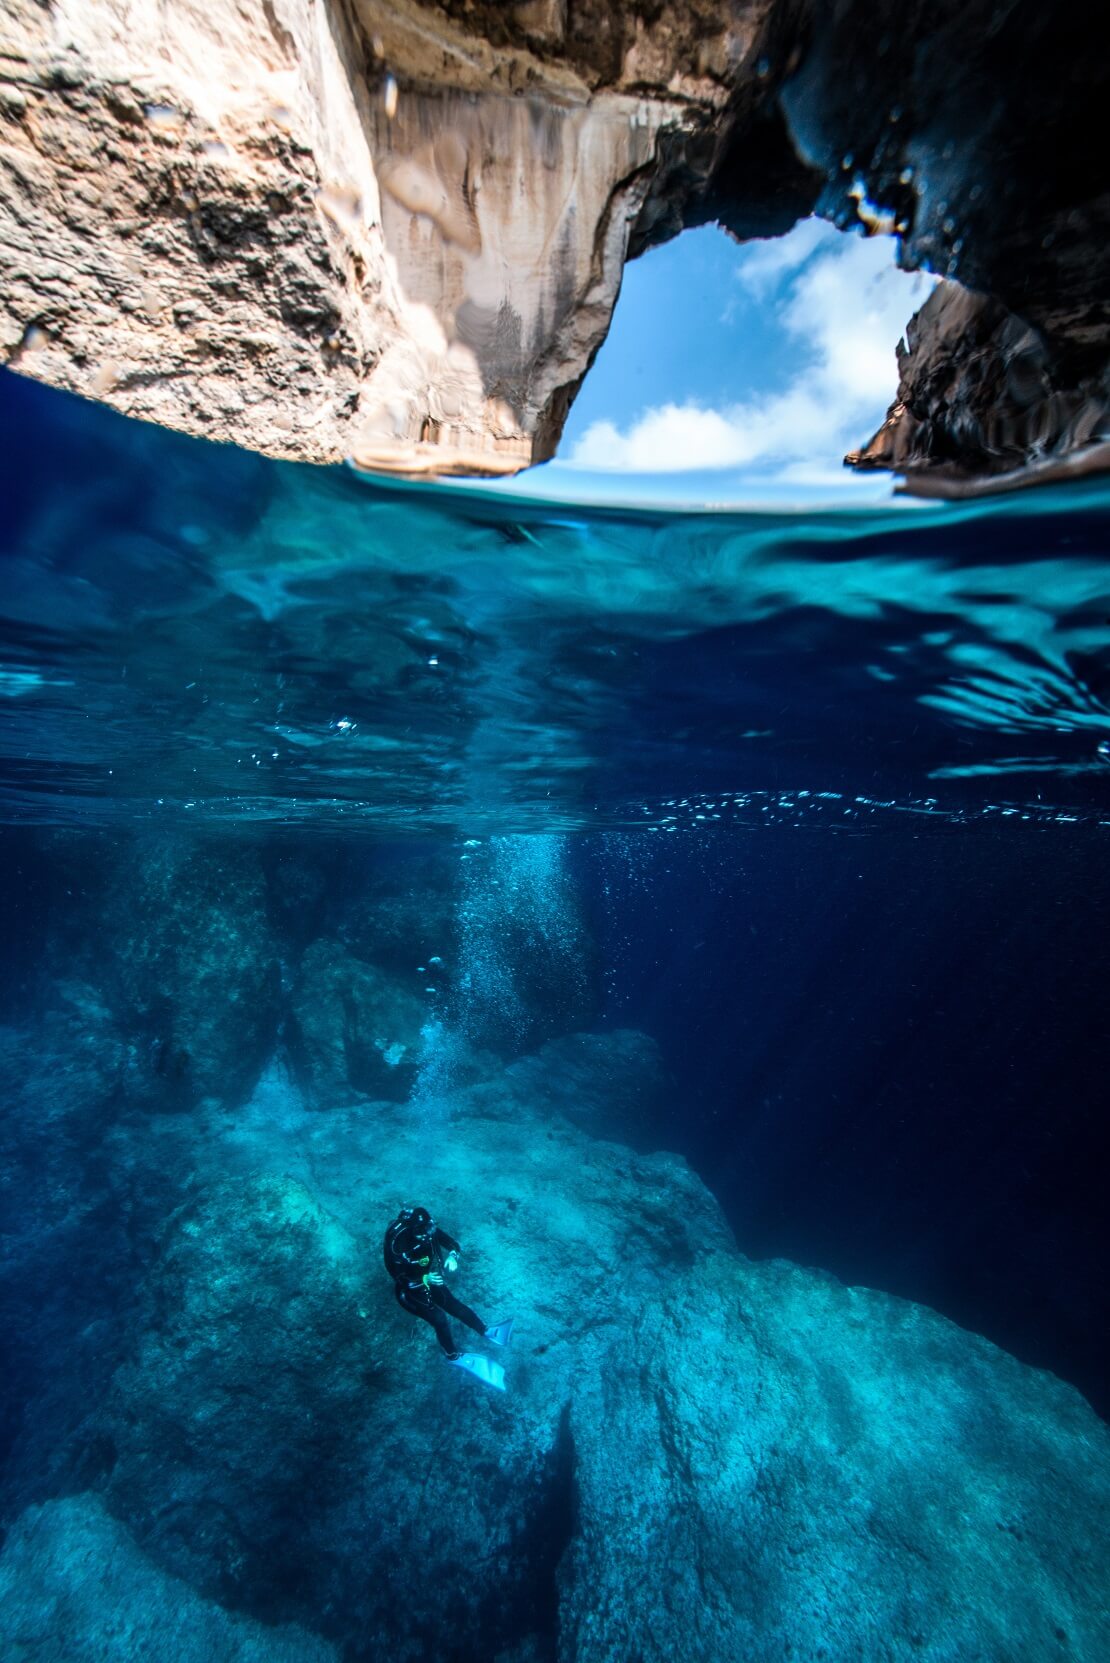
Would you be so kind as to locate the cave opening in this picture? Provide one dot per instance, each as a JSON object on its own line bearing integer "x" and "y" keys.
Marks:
{"x": 746, "y": 370}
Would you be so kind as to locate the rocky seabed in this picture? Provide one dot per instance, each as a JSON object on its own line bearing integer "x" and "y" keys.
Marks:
{"x": 224, "y": 1440}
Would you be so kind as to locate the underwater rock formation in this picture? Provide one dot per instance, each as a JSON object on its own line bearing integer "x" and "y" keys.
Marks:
{"x": 396, "y": 230}
{"x": 74, "y": 1588}
{"x": 355, "y": 1028}
{"x": 318, "y": 1446}
{"x": 607, "y": 1083}
{"x": 698, "y": 1456}
{"x": 189, "y": 966}
{"x": 401, "y": 914}
{"x": 67, "y": 1265}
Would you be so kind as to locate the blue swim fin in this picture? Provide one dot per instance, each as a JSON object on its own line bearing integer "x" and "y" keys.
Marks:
{"x": 500, "y": 1332}
{"x": 492, "y": 1373}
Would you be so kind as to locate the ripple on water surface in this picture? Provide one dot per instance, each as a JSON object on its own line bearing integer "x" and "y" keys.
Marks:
{"x": 192, "y": 632}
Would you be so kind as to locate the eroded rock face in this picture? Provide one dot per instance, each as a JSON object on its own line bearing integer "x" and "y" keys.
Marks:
{"x": 236, "y": 224}
{"x": 974, "y": 135}
{"x": 609, "y": 1083}
{"x": 401, "y": 914}
{"x": 981, "y": 403}
{"x": 827, "y": 1471}
{"x": 396, "y": 231}
{"x": 697, "y": 1456}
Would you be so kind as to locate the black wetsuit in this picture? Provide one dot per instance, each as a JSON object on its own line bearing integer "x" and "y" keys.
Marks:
{"x": 408, "y": 1256}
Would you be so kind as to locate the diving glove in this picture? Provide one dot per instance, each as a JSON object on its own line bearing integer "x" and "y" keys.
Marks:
{"x": 432, "y": 1279}
{"x": 452, "y": 1261}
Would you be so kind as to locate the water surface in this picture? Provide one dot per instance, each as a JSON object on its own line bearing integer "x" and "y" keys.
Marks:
{"x": 191, "y": 631}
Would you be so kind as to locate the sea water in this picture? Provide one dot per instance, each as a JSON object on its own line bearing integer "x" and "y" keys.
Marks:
{"x": 352, "y": 828}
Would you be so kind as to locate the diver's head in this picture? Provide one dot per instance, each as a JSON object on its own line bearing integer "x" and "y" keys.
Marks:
{"x": 422, "y": 1221}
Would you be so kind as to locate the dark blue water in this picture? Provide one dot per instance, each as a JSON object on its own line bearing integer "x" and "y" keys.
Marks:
{"x": 888, "y": 1053}
{"x": 818, "y": 804}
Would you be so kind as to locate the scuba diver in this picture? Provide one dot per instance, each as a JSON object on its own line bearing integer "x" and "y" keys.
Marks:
{"x": 417, "y": 1252}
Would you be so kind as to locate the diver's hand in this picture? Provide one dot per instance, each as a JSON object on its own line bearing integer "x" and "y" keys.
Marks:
{"x": 432, "y": 1279}
{"x": 452, "y": 1261}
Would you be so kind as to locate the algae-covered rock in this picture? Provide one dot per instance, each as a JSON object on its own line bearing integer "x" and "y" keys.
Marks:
{"x": 356, "y": 1028}
{"x": 74, "y": 1588}
{"x": 59, "y": 1077}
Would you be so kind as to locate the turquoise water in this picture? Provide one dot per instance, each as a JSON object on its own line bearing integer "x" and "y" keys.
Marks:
{"x": 195, "y": 631}
{"x": 703, "y": 913}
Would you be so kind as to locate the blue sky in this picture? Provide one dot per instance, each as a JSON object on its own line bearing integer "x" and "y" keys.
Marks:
{"x": 740, "y": 373}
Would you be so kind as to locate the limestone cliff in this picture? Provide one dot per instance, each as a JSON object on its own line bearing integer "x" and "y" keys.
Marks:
{"x": 233, "y": 221}
{"x": 397, "y": 231}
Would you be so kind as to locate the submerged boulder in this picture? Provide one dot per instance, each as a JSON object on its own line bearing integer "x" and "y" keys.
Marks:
{"x": 74, "y": 1588}
{"x": 829, "y": 1472}
{"x": 355, "y": 1028}
{"x": 249, "y": 1382}
{"x": 325, "y": 1464}
{"x": 697, "y": 1456}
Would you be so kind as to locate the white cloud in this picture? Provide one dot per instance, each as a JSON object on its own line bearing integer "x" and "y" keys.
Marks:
{"x": 846, "y": 305}
{"x": 767, "y": 259}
